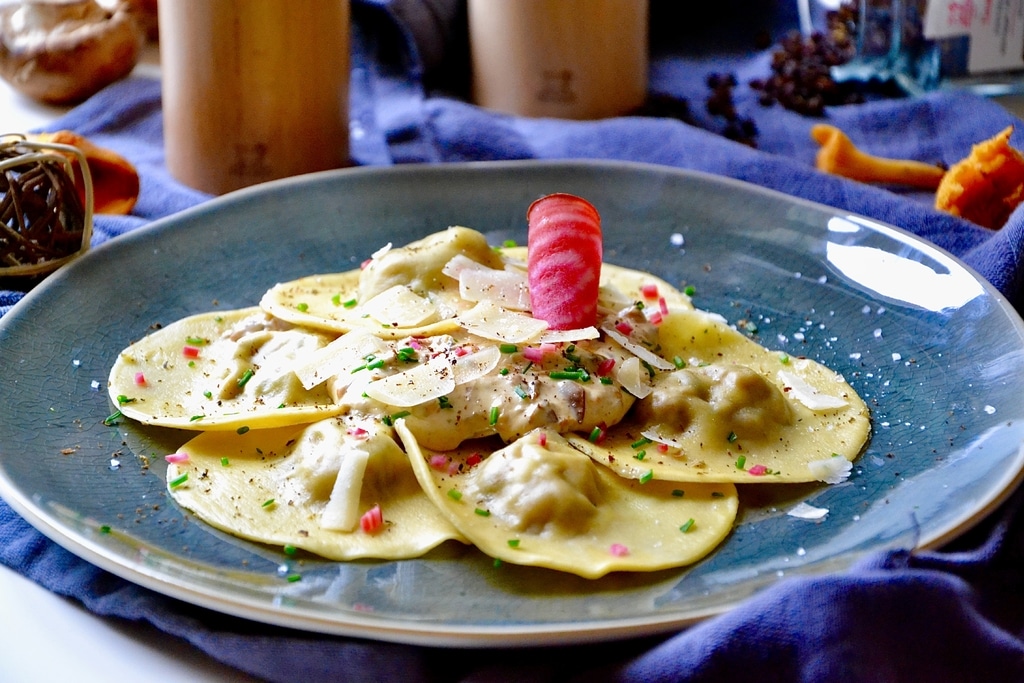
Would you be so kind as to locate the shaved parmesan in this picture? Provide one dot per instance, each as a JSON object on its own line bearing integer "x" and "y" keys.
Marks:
{"x": 834, "y": 470}
{"x": 493, "y": 322}
{"x": 807, "y": 511}
{"x": 638, "y": 350}
{"x": 802, "y": 391}
{"x": 424, "y": 382}
{"x": 655, "y": 435}
{"x": 505, "y": 288}
{"x": 399, "y": 306}
{"x": 634, "y": 378}
{"x": 342, "y": 510}
{"x": 460, "y": 263}
{"x": 340, "y": 358}
{"x": 476, "y": 365}
{"x": 558, "y": 336}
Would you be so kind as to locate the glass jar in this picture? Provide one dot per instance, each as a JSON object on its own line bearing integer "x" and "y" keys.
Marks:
{"x": 927, "y": 44}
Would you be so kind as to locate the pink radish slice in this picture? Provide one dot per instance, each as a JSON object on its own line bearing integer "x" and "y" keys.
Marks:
{"x": 564, "y": 261}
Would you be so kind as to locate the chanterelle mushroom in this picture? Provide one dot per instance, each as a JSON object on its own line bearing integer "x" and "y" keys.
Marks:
{"x": 63, "y": 51}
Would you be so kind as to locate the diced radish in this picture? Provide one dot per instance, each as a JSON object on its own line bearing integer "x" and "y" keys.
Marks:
{"x": 564, "y": 261}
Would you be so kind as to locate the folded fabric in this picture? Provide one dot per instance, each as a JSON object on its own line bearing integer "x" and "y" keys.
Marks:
{"x": 954, "y": 615}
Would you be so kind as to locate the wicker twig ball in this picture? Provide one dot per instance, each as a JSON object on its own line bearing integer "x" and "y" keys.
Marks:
{"x": 43, "y": 222}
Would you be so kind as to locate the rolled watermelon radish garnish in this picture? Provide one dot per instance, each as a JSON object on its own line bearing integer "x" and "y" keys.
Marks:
{"x": 564, "y": 261}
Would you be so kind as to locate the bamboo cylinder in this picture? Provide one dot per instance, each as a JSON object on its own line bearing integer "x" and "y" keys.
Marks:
{"x": 574, "y": 59}
{"x": 253, "y": 90}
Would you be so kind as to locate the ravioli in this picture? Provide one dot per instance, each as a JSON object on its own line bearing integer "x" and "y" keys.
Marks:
{"x": 615, "y": 447}
{"x": 539, "y": 502}
{"x": 217, "y": 371}
{"x": 735, "y": 412}
{"x": 277, "y": 486}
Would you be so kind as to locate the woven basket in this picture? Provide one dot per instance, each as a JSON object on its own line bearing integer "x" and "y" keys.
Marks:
{"x": 44, "y": 221}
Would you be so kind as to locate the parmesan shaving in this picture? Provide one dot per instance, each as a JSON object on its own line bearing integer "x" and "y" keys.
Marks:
{"x": 340, "y": 358}
{"x": 808, "y": 512}
{"x": 802, "y": 391}
{"x": 459, "y": 264}
{"x": 424, "y": 382}
{"x": 558, "y": 336}
{"x": 476, "y": 365}
{"x": 505, "y": 288}
{"x": 634, "y": 378}
{"x": 654, "y": 435}
{"x": 834, "y": 470}
{"x": 342, "y": 510}
{"x": 399, "y": 306}
{"x": 638, "y": 350}
{"x": 493, "y": 322}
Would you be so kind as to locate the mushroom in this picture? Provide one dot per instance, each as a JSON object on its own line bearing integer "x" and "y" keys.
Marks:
{"x": 839, "y": 156}
{"x": 63, "y": 51}
{"x": 988, "y": 185}
{"x": 115, "y": 181}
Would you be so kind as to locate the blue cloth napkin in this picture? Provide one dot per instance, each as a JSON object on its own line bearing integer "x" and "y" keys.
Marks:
{"x": 950, "y": 615}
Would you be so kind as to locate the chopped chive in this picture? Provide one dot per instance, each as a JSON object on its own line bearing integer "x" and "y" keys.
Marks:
{"x": 606, "y": 380}
{"x": 302, "y": 307}
{"x": 179, "y": 480}
{"x": 113, "y": 418}
{"x": 717, "y": 494}
{"x": 293, "y": 578}
{"x": 196, "y": 418}
{"x": 269, "y": 503}
{"x": 208, "y": 394}
{"x": 521, "y": 393}
{"x": 784, "y": 358}
{"x": 678, "y": 362}
{"x": 732, "y": 437}
{"x": 444, "y": 402}
{"x": 197, "y": 341}
{"x": 640, "y": 443}
{"x": 578, "y": 375}
{"x": 509, "y": 244}
{"x": 513, "y": 543}
{"x": 455, "y": 494}
{"x": 741, "y": 461}
{"x": 640, "y": 455}
{"x": 399, "y": 415}
{"x": 596, "y": 434}
{"x": 246, "y": 376}
{"x": 290, "y": 549}
{"x": 105, "y": 529}
{"x": 336, "y": 299}
{"x": 690, "y": 290}
{"x": 687, "y": 525}
{"x": 406, "y": 353}
{"x": 508, "y": 348}
{"x": 351, "y": 303}
{"x": 503, "y": 372}
{"x": 379, "y": 363}
{"x": 648, "y": 475}
{"x": 493, "y": 417}
{"x": 497, "y": 563}
{"x": 122, "y": 399}
{"x": 225, "y": 462}
{"x": 482, "y": 512}
{"x": 242, "y": 430}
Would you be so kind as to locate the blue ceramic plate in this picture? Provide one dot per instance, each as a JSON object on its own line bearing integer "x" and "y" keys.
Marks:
{"x": 934, "y": 350}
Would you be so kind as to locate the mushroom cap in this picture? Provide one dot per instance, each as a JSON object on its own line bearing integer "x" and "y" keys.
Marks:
{"x": 63, "y": 51}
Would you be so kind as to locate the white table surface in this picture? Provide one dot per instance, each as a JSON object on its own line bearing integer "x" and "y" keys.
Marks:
{"x": 45, "y": 638}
